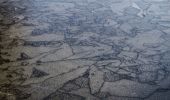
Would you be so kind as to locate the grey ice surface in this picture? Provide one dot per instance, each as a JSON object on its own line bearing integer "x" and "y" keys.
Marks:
{"x": 84, "y": 49}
